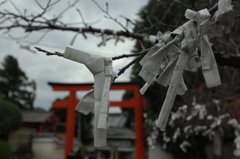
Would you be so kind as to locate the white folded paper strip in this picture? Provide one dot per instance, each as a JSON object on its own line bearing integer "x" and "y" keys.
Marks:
{"x": 194, "y": 38}
{"x": 234, "y": 123}
{"x": 224, "y": 7}
{"x": 151, "y": 63}
{"x": 165, "y": 62}
{"x": 209, "y": 66}
{"x": 101, "y": 68}
{"x": 188, "y": 44}
{"x": 184, "y": 146}
{"x": 86, "y": 104}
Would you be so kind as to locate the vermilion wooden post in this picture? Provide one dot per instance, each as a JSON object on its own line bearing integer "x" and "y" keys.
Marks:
{"x": 70, "y": 127}
{"x": 140, "y": 153}
{"x": 69, "y": 104}
{"x": 136, "y": 103}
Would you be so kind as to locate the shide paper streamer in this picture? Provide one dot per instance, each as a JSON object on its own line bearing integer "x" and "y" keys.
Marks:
{"x": 178, "y": 51}
{"x": 98, "y": 98}
{"x": 164, "y": 64}
{"x": 236, "y": 126}
{"x": 86, "y": 105}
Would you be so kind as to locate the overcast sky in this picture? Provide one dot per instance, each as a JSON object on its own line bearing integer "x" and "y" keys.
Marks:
{"x": 44, "y": 69}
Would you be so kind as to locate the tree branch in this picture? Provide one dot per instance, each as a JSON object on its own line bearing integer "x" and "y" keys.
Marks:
{"x": 144, "y": 52}
{"x": 122, "y": 70}
{"x": 56, "y": 53}
{"x": 228, "y": 60}
{"x": 31, "y": 23}
{"x": 92, "y": 30}
{"x": 108, "y": 15}
{"x": 48, "y": 53}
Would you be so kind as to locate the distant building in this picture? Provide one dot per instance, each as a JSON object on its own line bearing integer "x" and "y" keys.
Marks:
{"x": 39, "y": 121}
{"x": 120, "y": 139}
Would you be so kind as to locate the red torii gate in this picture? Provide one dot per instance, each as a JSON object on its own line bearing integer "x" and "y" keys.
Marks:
{"x": 70, "y": 103}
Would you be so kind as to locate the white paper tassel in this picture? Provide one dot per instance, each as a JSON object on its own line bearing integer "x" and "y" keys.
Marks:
{"x": 86, "y": 104}
{"x": 101, "y": 68}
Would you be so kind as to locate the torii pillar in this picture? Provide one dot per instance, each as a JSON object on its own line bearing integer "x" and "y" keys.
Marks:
{"x": 137, "y": 103}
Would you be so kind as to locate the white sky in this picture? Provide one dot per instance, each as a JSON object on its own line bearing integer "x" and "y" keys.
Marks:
{"x": 45, "y": 69}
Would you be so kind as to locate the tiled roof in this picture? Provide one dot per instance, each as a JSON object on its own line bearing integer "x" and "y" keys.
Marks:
{"x": 35, "y": 116}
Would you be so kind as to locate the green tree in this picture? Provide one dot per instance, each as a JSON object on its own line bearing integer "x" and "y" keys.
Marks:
{"x": 165, "y": 16}
{"x": 10, "y": 118}
{"x": 5, "y": 150}
{"x": 15, "y": 85}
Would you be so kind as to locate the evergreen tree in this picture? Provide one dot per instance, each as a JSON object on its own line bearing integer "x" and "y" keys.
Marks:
{"x": 164, "y": 15}
{"x": 10, "y": 118}
{"x": 15, "y": 85}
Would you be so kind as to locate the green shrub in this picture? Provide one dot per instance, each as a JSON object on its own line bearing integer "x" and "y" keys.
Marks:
{"x": 10, "y": 118}
{"x": 5, "y": 151}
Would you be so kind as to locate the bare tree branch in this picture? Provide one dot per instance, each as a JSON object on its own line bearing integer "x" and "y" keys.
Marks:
{"x": 122, "y": 70}
{"x": 106, "y": 11}
{"x": 39, "y": 5}
{"x": 1, "y": 3}
{"x": 15, "y": 7}
{"x": 183, "y": 4}
{"x": 44, "y": 9}
{"x": 131, "y": 55}
{"x": 128, "y": 21}
{"x": 83, "y": 21}
{"x": 228, "y": 60}
{"x": 169, "y": 7}
{"x": 19, "y": 38}
{"x": 48, "y": 53}
{"x": 67, "y": 8}
{"x": 31, "y": 23}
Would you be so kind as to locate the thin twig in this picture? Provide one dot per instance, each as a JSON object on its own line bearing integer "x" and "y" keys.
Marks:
{"x": 108, "y": 14}
{"x": 15, "y": 7}
{"x": 170, "y": 5}
{"x": 183, "y": 4}
{"x": 39, "y": 4}
{"x": 42, "y": 36}
{"x": 44, "y": 9}
{"x": 53, "y": 3}
{"x": 142, "y": 45}
{"x": 67, "y": 8}
{"x": 122, "y": 70}
{"x": 1, "y": 3}
{"x": 81, "y": 15}
{"x": 131, "y": 55}
{"x": 48, "y": 53}
{"x": 19, "y": 38}
{"x": 128, "y": 21}
{"x": 212, "y": 9}
{"x": 39, "y": 26}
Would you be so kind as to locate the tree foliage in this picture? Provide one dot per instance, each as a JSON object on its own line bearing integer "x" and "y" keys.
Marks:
{"x": 10, "y": 118}
{"x": 165, "y": 16}
{"x": 15, "y": 85}
{"x": 5, "y": 150}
